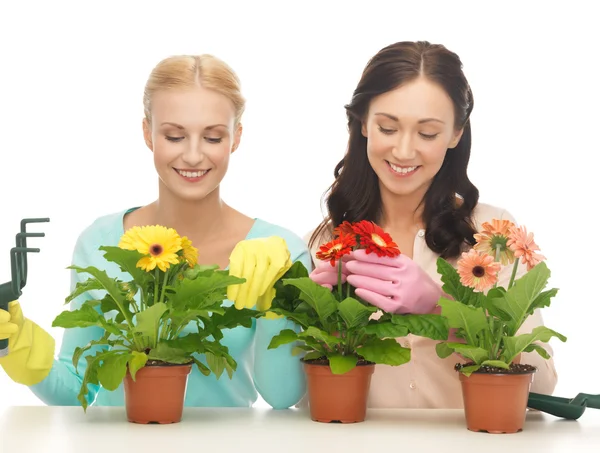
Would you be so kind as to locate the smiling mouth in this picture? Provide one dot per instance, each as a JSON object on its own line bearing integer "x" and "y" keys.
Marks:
{"x": 192, "y": 174}
{"x": 402, "y": 170}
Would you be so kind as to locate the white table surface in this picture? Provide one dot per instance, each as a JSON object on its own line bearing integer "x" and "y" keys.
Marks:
{"x": 32, "y": 429}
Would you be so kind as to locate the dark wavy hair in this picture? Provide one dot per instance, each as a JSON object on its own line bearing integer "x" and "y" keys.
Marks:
{"x": 355, "y": 196}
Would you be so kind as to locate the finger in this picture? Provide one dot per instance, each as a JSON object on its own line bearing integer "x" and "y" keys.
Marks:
{"x": 373, "y": 270}
{"x": 375, "y": 299}
{"x": 328, "y": 278}
{"x": 259, "y": 260}
{"x": 4, "y": 316}
{"x": 249, "y": 273}
{"x": 386, "y": 289}
{"x": 7, "y": 330}
{"x": 236, "y": 263}
{"x": 16, "y": 314}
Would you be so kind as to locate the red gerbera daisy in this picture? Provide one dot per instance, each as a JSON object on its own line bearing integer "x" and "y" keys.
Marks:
{"x": 344, "y": 228}
{"x": 375, "y": 240}
{"x": 334, "y": 250}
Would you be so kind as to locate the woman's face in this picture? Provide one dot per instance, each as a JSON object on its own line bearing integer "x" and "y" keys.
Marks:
{"x": 409, "y": 131}
{"x": 192, "y": 133}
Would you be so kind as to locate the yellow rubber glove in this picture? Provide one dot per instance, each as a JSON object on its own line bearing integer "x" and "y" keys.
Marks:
{"x": 30, "y": 348}
{"x": 261, "y": 262}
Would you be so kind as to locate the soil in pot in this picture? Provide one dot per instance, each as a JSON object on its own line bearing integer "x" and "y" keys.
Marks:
{"x": 338, "y": 398}
{"x": 158, "y": 393}
{"x": 495, "y": 399}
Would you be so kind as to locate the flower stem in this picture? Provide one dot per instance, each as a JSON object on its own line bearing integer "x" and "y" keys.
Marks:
{"x": 164, "y": 285}
{"x": 340, "y": 277}
{"x": 156, "y": 284}
{"x": 497, "y": 259}
{"x": 514, "y": 273}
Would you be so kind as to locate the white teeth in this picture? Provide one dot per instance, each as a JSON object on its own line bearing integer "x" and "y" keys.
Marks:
{"x": 192, "y": 174}
{"x": 402, "y": 170}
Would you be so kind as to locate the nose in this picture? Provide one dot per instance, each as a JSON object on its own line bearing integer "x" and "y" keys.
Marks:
{"x": 193, "y": 154}
{"x": 405, "y": 148}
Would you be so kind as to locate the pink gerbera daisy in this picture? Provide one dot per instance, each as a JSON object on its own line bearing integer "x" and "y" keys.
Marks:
{"x": 478, "y": 270}
{"x": 524, "y": 247}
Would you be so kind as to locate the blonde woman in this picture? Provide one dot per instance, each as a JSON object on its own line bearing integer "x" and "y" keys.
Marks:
{"x": 192, "y": 125}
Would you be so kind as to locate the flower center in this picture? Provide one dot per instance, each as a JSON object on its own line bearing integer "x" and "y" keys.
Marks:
{"x": 156, "y": 249}
{"x": 378, "y": 240}
{"x": 478, "y": 271}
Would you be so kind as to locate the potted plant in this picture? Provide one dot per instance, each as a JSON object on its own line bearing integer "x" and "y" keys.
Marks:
{"x": 158, "y": 322}
{"x": 485, "y": 321}
{"x": 339, "y": 338}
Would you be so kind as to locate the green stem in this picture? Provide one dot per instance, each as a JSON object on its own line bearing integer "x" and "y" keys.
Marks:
{"x": 497, "y": 259}
{"x": 156, "y": 284}
{"x": 514, "y": 273}
{"x": 162, "y": 293}
{"x": 340, "y": 277}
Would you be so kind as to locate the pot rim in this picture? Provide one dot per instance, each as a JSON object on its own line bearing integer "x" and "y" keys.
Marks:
{"x": 328, "y": 365}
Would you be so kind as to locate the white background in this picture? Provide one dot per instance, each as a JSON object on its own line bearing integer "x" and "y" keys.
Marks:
{"x": 71, "y": 148}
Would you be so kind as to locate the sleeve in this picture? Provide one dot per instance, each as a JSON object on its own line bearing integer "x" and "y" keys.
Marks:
{"x": 278, "y": 375}
{"x": 546, "y": 377}
{"x": 63, "y": 384}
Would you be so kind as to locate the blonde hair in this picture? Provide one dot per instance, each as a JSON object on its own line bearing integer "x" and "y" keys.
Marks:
{"x": 187, "y": 71}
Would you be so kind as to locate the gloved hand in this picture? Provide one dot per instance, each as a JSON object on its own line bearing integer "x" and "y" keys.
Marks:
{"x": 326, "y": 275}
{"x": 261, "y": 261}
{"x": 396, "y": 285}
{"x": 30, "y": 348}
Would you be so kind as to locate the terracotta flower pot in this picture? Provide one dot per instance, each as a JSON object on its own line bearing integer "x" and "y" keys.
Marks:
{"x": 496, "y": 402}
{"x": 157, "y": 395}
{"x": 338, "y": 397}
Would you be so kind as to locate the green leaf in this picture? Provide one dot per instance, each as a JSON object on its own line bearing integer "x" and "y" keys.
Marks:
{"x": 149, "y": 320}
{"x": 434, "y": 327}
{"x": 201, "y": 367}
{"x": 320, "y": 335}
{"x": 474, "y": 353}
{"x": 542, "y": 300}
{"x": 215, "y": 364}
{"x": 203, "y": 291}
{"x": 113, "y": 369}
{"x": 496, "y": 363}
{"x": 454, "y": 288}
{"x": 539, "y": 349}
{"x": 83, "y": 287}
{"x": 443, "y": 350}
{"x": 341, "y": 364}
{"x": 314, "y": 355}
{"x": 301, "y": 319}
{"x": 137, "y": 360}
{"x": 518, "y": 300}
{"x": 468, "y": 370}
{"x": 110, "y": 285}
{"x": 513, "y": 346}
{"x": 165, "y": 353}
{"x": 199, "y": 269}
{"x": 354, "y": 313}
{"x": 286, "y": 336}
{"x": 318, "y": 297}
{"x": 471, "y": 319}
{"x": 85, "y": 316}
{"x": 385, "y": 330}
{"x": 386, "y": 352}
{"x": 127, "y": 261}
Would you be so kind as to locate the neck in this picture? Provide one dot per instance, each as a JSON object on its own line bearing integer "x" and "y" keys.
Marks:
{"x": 192, "y": 218}
{"x": 401, "y": 212}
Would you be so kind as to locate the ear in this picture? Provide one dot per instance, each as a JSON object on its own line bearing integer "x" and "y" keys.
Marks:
{"x": 363, "y": 129}
{"x": 237, "y": 137}
{"x": 456, "y": 138}
{"x": 147, "y": 134}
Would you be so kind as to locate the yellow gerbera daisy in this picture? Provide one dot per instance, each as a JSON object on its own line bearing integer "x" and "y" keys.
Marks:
{"x": 190, "y": 253}
{"x": 159, "y": 243}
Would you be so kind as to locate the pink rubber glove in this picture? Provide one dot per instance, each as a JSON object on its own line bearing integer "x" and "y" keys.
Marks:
{"x": 327, "y": 275}
{"x": 395, "y": 285}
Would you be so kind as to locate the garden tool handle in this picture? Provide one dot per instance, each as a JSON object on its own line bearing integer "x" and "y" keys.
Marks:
{"x": 591, "y": 401}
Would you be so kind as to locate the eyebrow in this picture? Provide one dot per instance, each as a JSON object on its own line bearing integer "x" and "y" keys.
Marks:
{"x": 179, "y": 126}
{"x": 421, "y": 121}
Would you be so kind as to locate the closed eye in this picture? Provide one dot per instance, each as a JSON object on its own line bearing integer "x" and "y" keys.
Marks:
{"x": 213, "y": 140}
{"x": 428, "y": 136}
{"x": 386, "y": 131}
{"x": 173, "y": 139}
